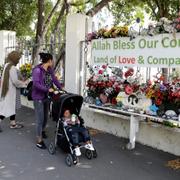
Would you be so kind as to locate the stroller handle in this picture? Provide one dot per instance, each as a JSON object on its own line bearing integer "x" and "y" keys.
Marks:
{"x": 56, "y": 93}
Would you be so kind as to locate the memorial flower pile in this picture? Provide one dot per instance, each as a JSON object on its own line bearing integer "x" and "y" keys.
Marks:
{"x": 164, "y": 25}
{"x": 106, "y": 85}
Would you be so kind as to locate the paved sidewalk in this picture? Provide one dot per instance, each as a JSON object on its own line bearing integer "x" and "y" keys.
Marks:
{"x": 20, "y": 159}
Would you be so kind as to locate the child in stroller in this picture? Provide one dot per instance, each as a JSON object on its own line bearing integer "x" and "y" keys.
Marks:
{"x": 70, "y": 134}
{"x": 74, "y": 131}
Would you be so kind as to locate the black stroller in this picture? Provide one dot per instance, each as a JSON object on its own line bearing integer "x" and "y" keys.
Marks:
{"x": 59, "y": 103}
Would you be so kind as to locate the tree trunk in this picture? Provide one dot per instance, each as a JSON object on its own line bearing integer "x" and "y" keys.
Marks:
{"x": 49, "y": 18}
{"x": 150, "y": 4}
{"x": 39, "y": 30}
{"x": 42, "y": 27}
{"x": 163, "y": 13}
{"x": 162, "y": 9}
{"x": 61, "y": 55}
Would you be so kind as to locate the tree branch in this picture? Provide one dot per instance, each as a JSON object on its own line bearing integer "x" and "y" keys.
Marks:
{"x": 58, "y": 21}
{"x": 79, "y": 3}
{"x": 48, "y": 20}
{"x": 91, "y": 12}
{"x": 152, "y": 8}
{"x": 40, "y": 23}
{"x": 61, "y": 55}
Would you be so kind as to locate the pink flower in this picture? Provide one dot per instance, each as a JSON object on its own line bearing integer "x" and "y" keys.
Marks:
{"x": 95, "y": 78}
{"x": 128, "y": 90}
{"x": 112, "y": 78}
{"x": 116, "y": 84}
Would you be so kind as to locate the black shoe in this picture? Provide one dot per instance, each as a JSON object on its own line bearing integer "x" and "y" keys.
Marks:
{"x": 41, "y": 145}
{"x": 44, "y": 135}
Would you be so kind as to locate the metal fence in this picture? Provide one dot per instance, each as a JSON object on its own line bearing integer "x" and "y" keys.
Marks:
{"x": 27, "y": 47}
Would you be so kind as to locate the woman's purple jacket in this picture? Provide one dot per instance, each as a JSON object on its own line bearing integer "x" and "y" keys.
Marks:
{"x": 39, "y": 90}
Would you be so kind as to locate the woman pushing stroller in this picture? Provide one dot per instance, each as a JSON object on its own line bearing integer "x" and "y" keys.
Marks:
{"x": 75, "y": 131}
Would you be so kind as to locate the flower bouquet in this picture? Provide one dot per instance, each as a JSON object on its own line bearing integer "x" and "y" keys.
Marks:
{"x": 26, "y": 71}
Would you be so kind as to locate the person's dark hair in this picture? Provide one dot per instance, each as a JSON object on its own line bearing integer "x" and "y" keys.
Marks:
{"x": 45, "y": 57}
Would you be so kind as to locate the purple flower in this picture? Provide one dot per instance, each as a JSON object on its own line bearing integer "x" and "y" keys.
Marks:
{"x": 163, "y": 88}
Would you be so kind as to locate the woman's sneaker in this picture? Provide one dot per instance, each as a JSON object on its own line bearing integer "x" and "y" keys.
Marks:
{"x": 77, "y": 151}
{"x": 41, "y": 145}
{"x": 89, "y": 146}
{"x": 16, "y": 126}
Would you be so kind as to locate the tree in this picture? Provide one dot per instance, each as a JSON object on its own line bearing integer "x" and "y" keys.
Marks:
{"x": 96, "y": 7}
{"x": 17, "y": 15}
{"x": 161, "y": 8}
{"x": 65, "y": 7}
{"x": 124, "y": 11}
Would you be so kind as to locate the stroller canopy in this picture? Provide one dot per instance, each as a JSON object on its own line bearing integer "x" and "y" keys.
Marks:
{"x": 72, "y": 102}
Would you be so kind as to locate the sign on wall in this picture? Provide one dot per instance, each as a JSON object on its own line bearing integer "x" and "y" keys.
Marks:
{"x": 162, "y": 50}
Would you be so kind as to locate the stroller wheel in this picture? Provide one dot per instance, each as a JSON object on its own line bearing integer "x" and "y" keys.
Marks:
{"x": 69, "y": 160}
{"x": 94, "y": 153}
{"x": 89, "y": 154}
{"x": 52, "y": 148}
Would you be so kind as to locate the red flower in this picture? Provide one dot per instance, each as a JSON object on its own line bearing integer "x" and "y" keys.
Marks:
{"x": 158, "y": 94}
{"x": 113, "y": 101}
{"x": 158, "y": 102}
{"x": 117, "y": 88}
{"x": 129, "y": 72}
{"x": 109, "y": 84}
{"x": 100, "y": 72}
{"x": 104, "y": 66}
{"x": 161, "y": 78}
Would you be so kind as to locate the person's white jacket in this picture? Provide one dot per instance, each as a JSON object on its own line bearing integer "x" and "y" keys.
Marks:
{"x": 8, "y": 104}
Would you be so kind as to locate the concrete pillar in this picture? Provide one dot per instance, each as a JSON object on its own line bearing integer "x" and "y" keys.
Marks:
{"x": 76, "y": 29}
{"x": 7, "y": 39}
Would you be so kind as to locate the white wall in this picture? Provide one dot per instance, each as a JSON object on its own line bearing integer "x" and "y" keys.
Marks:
{"x": 152, "y": 134}
{"x": 7, "y": 39}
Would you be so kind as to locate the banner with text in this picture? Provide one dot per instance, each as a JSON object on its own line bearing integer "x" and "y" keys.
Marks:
{"x": 162, "y": 50}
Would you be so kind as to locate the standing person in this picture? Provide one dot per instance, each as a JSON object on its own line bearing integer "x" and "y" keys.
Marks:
{"x": 10, "y": 90}
{"x": 43, "y": 80}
